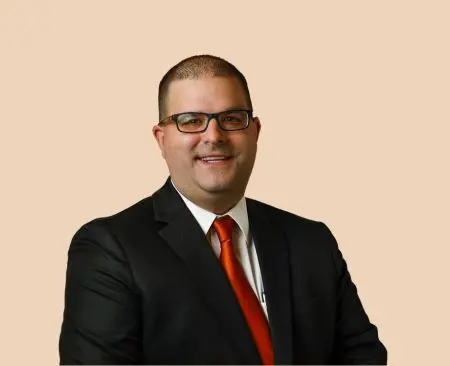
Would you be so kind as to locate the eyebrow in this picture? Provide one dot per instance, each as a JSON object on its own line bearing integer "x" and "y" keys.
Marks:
{"x": 235, "y": 107}
{"x": 224, "y": 110}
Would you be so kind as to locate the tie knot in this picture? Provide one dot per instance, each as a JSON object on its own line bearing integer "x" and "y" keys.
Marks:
{"x": 224, "y": 228}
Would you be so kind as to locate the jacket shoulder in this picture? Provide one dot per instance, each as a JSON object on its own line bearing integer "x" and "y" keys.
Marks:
{"x": 295, "y": 226}
{"x": 279, "y": 214}
{"x": 128, "y": 219}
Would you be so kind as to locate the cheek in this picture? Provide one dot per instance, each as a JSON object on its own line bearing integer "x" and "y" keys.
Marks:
{"x": 245, "y": 145}
{"x": 179, "y": 148}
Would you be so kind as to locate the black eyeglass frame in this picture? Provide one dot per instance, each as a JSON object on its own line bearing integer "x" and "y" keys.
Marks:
{"x": 174, "y": 118}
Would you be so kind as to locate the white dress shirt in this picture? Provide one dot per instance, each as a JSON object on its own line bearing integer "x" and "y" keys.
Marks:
{"x": 242, "y": 241}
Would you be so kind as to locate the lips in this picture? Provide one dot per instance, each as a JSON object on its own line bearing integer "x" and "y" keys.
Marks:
{"x": 214, "y": 155}
{"x": 214, "y": 159}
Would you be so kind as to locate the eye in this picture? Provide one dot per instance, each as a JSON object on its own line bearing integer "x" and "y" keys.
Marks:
{"x": 231, "y": 119}
{"x": 190, "y": 119}
{"x": 237, "y": 117}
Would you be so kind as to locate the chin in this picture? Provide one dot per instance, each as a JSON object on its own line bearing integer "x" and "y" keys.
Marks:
{"x": 222, "y": 184}
{"x": 216, "y": 188}
{"x": 217, "y": 185}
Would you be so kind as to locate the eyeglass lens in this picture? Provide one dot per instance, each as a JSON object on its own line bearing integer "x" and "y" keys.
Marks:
{"x": 233, "y": 120}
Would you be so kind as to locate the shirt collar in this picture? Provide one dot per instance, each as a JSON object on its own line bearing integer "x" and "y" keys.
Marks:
{"x": 206, "y": 218}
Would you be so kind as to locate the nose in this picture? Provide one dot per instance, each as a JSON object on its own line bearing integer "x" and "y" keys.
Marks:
{"x": 214, "y": 133}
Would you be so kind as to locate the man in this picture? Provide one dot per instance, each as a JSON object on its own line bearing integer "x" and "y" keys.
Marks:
{"x": 199, "y": 274}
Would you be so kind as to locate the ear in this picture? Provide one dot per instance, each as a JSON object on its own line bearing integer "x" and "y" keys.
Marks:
{"x": 158, "y": 134}
{"x": 257, "y": 123}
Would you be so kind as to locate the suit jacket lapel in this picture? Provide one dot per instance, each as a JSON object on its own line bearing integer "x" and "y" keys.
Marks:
{"x": 186, "y": 238}
{"x": 273, "y": 257}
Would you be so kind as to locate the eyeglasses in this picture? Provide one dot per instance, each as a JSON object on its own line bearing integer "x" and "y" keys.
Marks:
{"x": 195, "y": 122}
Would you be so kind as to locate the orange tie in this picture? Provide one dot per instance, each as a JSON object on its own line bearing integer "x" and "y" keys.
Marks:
{"x": 250, "y": 306}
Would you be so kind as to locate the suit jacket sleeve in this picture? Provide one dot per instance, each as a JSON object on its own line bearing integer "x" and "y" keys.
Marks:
{"x": 357, "y": 339}
{"x": 101, "y": 322}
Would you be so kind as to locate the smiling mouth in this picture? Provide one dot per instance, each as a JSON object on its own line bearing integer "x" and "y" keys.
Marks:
{"x": 214, "y": 160}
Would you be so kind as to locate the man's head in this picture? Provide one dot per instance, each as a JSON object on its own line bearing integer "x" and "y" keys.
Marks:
{"x": 207, "y": 84}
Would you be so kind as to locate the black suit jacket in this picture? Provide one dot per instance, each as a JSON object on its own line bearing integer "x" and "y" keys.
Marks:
{"x": 144, "y": 287}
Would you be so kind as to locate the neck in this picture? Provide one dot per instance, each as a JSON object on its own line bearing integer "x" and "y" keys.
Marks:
{"x": 218, "y": 206}
{"x": 217, "y": 203}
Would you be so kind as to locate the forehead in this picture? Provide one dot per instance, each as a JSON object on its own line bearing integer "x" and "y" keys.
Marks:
{"x": 207, "y": 94}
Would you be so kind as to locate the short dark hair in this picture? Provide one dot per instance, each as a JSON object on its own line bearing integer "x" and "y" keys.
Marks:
{"x": 195, "y": 67}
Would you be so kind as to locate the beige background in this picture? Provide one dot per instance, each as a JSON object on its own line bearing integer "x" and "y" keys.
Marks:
{"x": 354, "y": 101}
